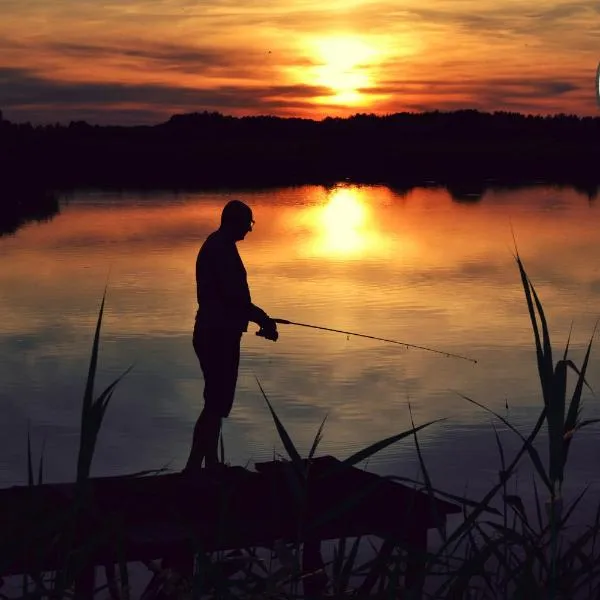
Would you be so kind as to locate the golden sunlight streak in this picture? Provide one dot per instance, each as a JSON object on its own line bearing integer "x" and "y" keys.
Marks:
{"x": 345, "y": 66}
{"x": 343, "y": 227}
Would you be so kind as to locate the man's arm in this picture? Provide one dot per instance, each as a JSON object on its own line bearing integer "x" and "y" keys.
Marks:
{"x": 258, "y": 315}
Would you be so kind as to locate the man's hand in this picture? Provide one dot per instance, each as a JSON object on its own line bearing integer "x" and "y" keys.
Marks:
{"x": 268, "y": 330}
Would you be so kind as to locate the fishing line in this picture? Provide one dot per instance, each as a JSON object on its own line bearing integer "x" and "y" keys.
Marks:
{"x": 372, "y": 337}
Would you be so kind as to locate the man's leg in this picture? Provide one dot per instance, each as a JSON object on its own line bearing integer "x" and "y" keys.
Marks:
{"x": 211, "y": 458}
{"x": 198, "y": 450}
{"x": 219, "y": 354}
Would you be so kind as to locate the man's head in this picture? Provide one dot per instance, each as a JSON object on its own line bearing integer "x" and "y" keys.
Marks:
{"x": 236, "y": 219}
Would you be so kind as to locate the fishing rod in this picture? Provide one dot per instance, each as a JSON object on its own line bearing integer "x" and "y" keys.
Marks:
{"x": 371, "y": 337}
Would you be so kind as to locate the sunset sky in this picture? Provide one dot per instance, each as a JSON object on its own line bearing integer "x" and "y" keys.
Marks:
{"x": 139, "y": 62}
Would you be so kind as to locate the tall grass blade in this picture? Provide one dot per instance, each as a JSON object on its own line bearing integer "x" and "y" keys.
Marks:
{"x": 317, "y": 439}
{"x": 439, "y": 521}
{"x": 568, "y": 342}
{"x": 365, "y": 453}
{"x": 516, "y": 503}
{"x": 556, "y": 423}
{"x": 545, "y": 367}
{"x": 41, "y": 465}
{"x": 297, "y": 478}
{"x": 533, "y": 453}
{"x": 93, "y": 411}
{"x": 459, "y": 499}
{"x": 348, "y": 567}
{"x": 89, "y": 386}
{"x": 574, "y": 411}
{"x": 538, "y": 508}
{"x": 470, "y": 519}
{"x": 587, "y": 422}
{"x": 338, "y": 510}
{"x": 92, "y": 423}
{"x": 283, "y": 434}
{"x": 500, "y": 448}
{"x": 29, "y": 459}
{"x": 339, "y": 553}
{"x": 502, "y": 558}
{"x": 565, "y": 518}
{"x": 222, "y": 448}
{"x": 546, "y": 334}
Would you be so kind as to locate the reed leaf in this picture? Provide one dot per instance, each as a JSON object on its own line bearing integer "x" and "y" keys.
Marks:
{"x": 460, "y": 499}
{"x": 501, "y": 557}
{"x": 568, "y": 342}
{"x": 41, "y": 465}
{"x": 571, "y": 508}
{"x": 439, "y": 520}
{"x": 455, "y": 588}
{"x": 372, "y": 449}
{"x": 556, "y": 424}
{"x": 545, "y": 366}
{"x": 317, "y": 440}
{"x": 298, "y": 475}
{"x": 29, "y": 460}
{"x": 545, "y": 331}
{"x": 347, "y": 504}
{"x": 88, "y": 396}
{"x": 574, "y": 411}
{"x": 339, "y": 552}
{"x": 586, "y": 423}
{"x": 93, "y": 411}
{"x": 500, "y": 449}
{"x": 538, "y": 507}
{"x": 93, "y": 415}
{"x": 459, "y": 532}
{"x": 348, "y": 566}
{"x": 283, "y": 434}
{"x": 533, "y": 453}
{"x": 516, "y": 503}
{"x": 222, "y": 448}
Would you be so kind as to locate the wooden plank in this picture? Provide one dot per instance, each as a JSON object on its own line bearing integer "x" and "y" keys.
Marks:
{"x": 152, "y": 517}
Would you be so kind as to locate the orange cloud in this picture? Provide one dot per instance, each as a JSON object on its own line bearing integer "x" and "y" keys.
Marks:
{"x": 143, "y": 61}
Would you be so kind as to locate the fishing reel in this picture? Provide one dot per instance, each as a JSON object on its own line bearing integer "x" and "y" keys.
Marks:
{"x": 268, "y": 333}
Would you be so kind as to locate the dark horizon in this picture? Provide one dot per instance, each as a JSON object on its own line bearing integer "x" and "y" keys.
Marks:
{"x": 67, "y": 121}
{"x": 466, "y": 151}
{"x": 208, "y": 149}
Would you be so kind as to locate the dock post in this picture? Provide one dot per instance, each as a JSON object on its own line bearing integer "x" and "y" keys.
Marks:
{"x": 182, "y": 562}
{"x": 416, "y": 554}
{"x": 312, "y": 560}
{"x": 85, "y": 583}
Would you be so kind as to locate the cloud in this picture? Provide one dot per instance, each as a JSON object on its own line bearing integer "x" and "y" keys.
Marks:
{"x": 26, "y": 95}
{"x": 148, "y": 60}
{"x": 25, "y": 92}
{"x": 520, "y": 94}
{"x": 160, "y": 58}
{"x": 515, "y": 86}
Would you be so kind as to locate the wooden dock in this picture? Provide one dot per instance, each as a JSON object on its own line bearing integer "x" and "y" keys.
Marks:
{"x": 173, "y": 516}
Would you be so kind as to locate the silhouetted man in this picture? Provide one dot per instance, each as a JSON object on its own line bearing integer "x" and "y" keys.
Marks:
{"x": 224, "y": 310}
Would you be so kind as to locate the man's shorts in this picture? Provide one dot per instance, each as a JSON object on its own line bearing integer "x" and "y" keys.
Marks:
{"x": 218, "y": 351}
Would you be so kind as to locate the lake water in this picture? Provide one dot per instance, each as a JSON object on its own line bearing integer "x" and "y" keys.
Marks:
{"x": 416, "y": 267}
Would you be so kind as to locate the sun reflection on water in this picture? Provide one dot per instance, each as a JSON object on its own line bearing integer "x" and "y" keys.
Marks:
{"x": 344, "y": 227}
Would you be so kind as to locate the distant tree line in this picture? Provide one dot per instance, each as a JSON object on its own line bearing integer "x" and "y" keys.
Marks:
{"x": 213, "y": 149}
{"x": 464, "y": 150}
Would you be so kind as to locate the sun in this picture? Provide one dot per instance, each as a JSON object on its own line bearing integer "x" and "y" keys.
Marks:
{"x": 344, "y": 64}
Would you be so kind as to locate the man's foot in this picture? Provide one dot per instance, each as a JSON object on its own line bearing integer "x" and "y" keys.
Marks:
{"x": 194, "y": 469}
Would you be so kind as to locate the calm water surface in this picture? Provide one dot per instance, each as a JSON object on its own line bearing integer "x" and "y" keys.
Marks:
{"x": 419, "y": 268}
